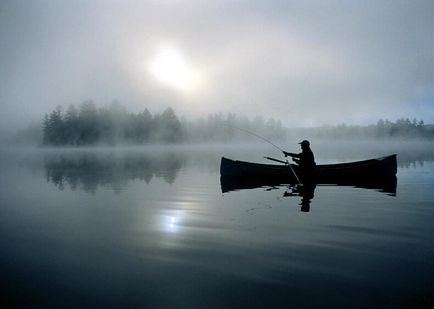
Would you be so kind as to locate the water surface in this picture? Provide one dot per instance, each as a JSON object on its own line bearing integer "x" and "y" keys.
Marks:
{"x": 150, "y": 227}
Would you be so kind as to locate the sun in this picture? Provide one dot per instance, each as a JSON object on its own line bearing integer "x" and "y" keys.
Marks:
{"x": 171, "y": 68}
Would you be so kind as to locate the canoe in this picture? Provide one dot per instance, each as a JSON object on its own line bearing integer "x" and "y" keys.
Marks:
{"x": 366, "y": 172}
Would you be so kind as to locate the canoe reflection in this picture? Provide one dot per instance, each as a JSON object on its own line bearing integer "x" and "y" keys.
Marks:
{"x": 234, "y": 184}
{"x": 305, "y": 191}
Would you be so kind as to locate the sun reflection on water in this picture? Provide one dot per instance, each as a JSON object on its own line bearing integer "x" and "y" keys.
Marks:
{"x": 170, "y": 223}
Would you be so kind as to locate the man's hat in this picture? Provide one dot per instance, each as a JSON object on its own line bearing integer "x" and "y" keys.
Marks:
{"x": 305, "y": 142}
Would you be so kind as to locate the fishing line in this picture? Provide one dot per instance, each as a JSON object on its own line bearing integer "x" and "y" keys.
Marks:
{"x": 271, "y": 143}
{"x": 254, "y": 134}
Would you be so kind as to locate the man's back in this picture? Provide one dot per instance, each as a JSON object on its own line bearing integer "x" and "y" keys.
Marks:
{"x": 307, "y": 159}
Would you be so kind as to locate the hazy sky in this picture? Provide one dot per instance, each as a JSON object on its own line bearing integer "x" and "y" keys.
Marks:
{"x": 304, "y": 62}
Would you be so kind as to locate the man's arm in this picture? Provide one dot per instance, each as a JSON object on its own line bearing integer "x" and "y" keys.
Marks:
{"x": 291, "y": 154}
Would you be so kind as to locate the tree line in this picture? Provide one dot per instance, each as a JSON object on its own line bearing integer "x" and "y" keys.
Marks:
{"x": 113, "y": 124}
{"x": 230, "y": 127}
{"x": 402, "y": 128}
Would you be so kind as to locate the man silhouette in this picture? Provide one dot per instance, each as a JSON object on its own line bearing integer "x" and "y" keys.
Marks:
{"x": 305, "y": 159}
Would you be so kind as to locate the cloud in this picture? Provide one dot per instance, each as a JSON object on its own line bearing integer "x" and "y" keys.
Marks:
{"x": 305, "y": 62}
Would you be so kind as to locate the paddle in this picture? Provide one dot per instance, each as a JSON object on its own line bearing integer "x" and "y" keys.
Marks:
{"x": 266, "y": 140}
{"x": 286, "y": 163}
{"x": 277, "y": 160}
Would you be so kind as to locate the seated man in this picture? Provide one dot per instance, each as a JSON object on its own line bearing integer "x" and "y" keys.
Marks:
{"x": 305, "y": 159}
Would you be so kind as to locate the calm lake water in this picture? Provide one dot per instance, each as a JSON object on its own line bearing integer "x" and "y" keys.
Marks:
{"x": 151, "y": 228}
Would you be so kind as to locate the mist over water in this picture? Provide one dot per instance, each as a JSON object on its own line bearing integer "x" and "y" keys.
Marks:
{"x": 111, "y": 125}
{"x": 150, "y": 227}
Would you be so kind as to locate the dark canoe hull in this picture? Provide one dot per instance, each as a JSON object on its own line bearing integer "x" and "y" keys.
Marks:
{"x": 373, "y": 172}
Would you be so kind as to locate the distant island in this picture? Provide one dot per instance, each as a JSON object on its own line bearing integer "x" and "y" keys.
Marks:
{"x": 113, "y": 124}
{"x": 87, "y": 125}
{"x": 402, "y": 129}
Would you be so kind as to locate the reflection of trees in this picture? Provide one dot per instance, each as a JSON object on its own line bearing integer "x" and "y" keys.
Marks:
{"x": 414, "y": 158}
{"x": 88, "y": 171}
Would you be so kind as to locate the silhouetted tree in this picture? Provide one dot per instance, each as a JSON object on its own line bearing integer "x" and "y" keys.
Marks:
{"x": 168, "y": 127}
{"x": 53, "y": 128}
{"x": 140, "y": 127}
{"x": 71, "y": 126}
{"x": 88, "y": 124}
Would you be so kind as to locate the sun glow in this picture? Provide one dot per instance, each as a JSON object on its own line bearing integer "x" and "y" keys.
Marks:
{"x": 171, "y": 68}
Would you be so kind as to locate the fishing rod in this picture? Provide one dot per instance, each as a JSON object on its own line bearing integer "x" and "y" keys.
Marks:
{"x": 271, "y": 143}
